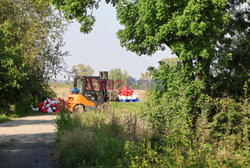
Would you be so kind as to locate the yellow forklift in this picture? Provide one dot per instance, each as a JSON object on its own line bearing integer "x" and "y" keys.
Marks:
{"x": 89, "y": 92}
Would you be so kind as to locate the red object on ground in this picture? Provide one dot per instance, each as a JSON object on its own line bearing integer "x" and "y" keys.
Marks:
{"x": 126, "y": 91}
{"x": 52, "y": 105}
{"x": 40, "y": 105}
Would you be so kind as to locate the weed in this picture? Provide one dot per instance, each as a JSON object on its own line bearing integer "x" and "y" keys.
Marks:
{"x": 4, "y": 118}
{"x": 122, "y": 138}
{"x": 14, "y": 112}
{"x": 95, "y": 139}
{"x": 7, "y": 143}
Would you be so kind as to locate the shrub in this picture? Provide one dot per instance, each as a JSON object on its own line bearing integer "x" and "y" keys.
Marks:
{"x": 190, "y": 128}
{"x": 184, "y": 127}
{"x": 90, "y": 139}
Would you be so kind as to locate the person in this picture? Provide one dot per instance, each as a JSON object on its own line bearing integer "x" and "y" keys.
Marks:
{"x": 74, "y": 90}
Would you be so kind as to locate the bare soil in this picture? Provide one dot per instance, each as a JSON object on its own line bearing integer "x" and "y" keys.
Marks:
{"x": 31, "y": 142}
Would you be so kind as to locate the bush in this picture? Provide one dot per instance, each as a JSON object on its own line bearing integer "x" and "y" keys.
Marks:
{"x": 190, "y": 128}
{"x": 184, "y": 127}
{"x": 93, "y": 138}
{"x": 30, "y": 49}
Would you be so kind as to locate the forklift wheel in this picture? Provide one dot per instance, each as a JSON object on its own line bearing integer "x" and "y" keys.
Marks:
{"x": 105, "y": 107}
{"x": 79, "y": 108}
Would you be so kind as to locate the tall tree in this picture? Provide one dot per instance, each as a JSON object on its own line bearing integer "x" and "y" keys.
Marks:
{"x": 83, "y": 70}
{"x": 117, "y": 74}
{"x": 80, "y": 10}
{"x": 171, "y": 61}
{"x": 231, "y": 66}
{"x": 192, "y": 29}
{"x": 119, "y": 77}
{"x": 31, "y": 41}
{"x": 202, "y": 33}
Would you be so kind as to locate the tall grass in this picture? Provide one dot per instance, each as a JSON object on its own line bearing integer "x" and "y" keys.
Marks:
{"x": 124, "y": 139}
{"x": 96, "y": 139}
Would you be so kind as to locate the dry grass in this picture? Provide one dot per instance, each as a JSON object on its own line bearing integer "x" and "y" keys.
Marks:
{"x": 142, "y": 94}
{"x": 63, "y": 92}
{"x": 98, "y": 139}
{"x": 134, "y": 127}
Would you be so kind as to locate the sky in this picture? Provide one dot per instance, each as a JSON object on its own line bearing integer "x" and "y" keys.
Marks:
{"x": 101, "y": 48}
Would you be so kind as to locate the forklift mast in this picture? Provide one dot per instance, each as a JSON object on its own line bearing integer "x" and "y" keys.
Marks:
{"x": 93, "y": 88}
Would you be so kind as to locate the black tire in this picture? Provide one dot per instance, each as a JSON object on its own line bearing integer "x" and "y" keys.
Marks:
{"x": 79, "y": 108}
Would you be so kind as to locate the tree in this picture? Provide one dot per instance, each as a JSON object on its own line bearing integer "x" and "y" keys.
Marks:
{"x": 80, "y": 10}
{"x": 83, "y": 70}
{"x": 171, "y": 61}
{"x": 118, "y": 74}
{"x": 233, "y": 69}
{"x": 12, "y": 72}
{"x": 145, "y": 76}
{"x": 193, "y": 29}
{"x": 119, "y": 77}
{"x": 31, "y": 41}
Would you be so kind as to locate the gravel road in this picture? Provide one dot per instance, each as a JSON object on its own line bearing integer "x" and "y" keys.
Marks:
{"x": 31, "y": 142}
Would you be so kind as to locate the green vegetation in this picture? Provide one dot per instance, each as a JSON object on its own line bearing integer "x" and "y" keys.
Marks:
{"x": 197, "y": 114}
{"x": 134, "y": 107}
{"x": 145, "y": 76}
{"x": 95, "y": 139}
{"x": 30, "y": 53}
{"x": 193, "y": 129}
{"x": 83, "y": 70}
{"x": 118, "y": 74}
{"x": 171, "y": 61}
{"x": 210, "y": 37}
{"x": 165, "y": 137}
{"x": 81, "y": 11}
{"x": 7, "y": 143}
{"x": 4, "y": 118}
{"x": 120, "y": 78}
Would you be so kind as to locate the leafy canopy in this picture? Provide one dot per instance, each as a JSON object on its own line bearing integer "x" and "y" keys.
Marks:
{"x": 81, "y": 11}
{"x": 118, "y": 74}
{"x": 209, "y": 37}
{"x": 30, "y": 50}
{"x": 119, "y": 77}
{"x": 83, "y": 70}
{"x": 191, "y": 28}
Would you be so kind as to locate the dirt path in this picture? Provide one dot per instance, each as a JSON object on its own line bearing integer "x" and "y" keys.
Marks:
{"x": 31, "y": 142}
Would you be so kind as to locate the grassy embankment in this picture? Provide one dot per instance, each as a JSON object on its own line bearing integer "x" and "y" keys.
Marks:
{"x": 99, "y": 139}
{"x": 123, "y": 138}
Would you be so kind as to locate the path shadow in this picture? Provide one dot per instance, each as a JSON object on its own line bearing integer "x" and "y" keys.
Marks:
{"x": 34, "y": 151}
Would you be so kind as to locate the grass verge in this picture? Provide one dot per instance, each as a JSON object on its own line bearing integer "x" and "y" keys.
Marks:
{"x": 94, "y": 139}
{"x": 13, "y": 113}
{"x": 121, "y": 138}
